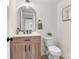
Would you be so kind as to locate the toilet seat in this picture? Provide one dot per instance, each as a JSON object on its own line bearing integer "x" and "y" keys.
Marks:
{"x": 54, "y": 50}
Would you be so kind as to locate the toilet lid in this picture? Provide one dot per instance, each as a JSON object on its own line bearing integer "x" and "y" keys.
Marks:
{"x": 54, "y": 50}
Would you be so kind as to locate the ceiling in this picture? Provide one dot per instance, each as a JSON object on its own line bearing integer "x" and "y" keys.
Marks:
{"x": 43, "y": 1}
{"x": 47, "y": 1}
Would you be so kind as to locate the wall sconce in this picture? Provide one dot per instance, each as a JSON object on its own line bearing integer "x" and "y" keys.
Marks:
{"x": 27, "y": 3}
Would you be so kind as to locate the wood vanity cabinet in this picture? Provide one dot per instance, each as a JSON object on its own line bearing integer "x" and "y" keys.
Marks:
{"x": 26, "y": 47}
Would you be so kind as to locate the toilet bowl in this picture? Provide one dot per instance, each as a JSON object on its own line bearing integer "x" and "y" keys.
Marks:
{"x": 54, "y": 52}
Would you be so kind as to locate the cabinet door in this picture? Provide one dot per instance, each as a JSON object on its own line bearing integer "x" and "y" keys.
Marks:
{"x": 28, "y": 52}
{"x": 18, "y": 51}
{"x": 36, "y": 50}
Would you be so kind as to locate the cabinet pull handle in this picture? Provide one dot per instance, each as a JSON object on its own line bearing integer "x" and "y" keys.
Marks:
{"x": 29, "y": 48}
{"x": 27, "y": 40}
{"x": 25, "y": 48}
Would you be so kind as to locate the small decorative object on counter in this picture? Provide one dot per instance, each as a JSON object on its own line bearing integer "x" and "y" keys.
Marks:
{"x": 40, "y": 24}
{"x": 21, "y": 32}
{"x": 17, "y": 31}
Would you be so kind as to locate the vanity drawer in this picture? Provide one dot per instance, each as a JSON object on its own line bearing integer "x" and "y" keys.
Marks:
{"x": 27, "y": 39}
{"x": 21, "y": 39}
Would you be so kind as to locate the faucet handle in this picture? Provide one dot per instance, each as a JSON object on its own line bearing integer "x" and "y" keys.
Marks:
{"x": 30, "y": 31}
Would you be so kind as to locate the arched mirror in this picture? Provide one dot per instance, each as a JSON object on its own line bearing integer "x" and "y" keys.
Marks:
{"x": 26, "y": 19}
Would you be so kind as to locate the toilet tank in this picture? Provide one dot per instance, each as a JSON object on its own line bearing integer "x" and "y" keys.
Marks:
{"x": 49, "y": 41}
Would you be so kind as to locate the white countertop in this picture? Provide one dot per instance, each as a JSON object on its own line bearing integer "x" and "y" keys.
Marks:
{"x": 24, "y": 35}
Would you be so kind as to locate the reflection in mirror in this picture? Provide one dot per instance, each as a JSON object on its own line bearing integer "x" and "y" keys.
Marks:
{"x": 26, "y": 19}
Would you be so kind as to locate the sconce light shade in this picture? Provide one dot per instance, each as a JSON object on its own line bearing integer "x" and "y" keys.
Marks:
{"x": 28, "y": 1}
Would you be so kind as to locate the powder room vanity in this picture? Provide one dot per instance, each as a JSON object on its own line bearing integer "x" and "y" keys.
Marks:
{"x": 24, "y": 44}
{"x": 26, "y": 47}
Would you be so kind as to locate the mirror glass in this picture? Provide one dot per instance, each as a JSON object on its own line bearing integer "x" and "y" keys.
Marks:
{"x": 26, "y": 19}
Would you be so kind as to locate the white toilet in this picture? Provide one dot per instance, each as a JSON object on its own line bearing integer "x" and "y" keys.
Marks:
{"x": 50, "y": 46}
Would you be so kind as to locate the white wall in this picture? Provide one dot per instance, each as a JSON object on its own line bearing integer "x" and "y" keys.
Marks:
{"x": 64, "y": 30}
{"x": 46, "y": 11}
{"x": 12, "y": 18}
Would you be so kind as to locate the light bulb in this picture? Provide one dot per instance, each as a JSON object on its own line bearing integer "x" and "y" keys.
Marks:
{"x": 27, "y": 5}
